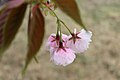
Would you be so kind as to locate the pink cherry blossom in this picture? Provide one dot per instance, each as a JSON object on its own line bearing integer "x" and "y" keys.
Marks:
{"x": 62, "y": 55}
{"x": 79, "y": 41}
{"x": 53, "y": 41}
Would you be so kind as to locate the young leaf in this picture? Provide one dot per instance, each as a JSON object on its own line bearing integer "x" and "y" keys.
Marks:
{"x": 3, "y": 20}
{"x": 14, "y": 22}
{"x": 10, "y": 22}
{"x": 2, "y": 8}
{"x": 71, "y": 9}
{"x": 35, "y": 34}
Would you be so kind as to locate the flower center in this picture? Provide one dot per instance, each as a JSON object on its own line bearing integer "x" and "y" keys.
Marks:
{"x": 61, "y": 47}
{"x": 75, "y": 37}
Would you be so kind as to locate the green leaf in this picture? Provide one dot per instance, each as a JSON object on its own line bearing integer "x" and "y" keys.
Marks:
{"x": 71, "y": 9}
{"x": 35, "y": 35}
{"x": 10, "y": 22}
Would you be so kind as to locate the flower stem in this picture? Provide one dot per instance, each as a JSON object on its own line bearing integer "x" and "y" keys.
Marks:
{"x": 58, "y": 19}
{"x": 59, "y": 30}
{"x": 66, "y": 26}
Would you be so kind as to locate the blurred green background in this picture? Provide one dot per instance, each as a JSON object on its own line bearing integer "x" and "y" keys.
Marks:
{"x": 100, "y": 62}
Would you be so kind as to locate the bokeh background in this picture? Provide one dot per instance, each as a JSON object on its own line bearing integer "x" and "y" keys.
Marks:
{"x": 100, "y": 62}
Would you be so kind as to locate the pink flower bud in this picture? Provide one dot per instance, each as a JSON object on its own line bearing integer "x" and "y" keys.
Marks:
{"x": 79, "y": 41}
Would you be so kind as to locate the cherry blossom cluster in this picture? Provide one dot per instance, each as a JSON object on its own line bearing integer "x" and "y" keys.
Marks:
{"x": 63, "y": 48}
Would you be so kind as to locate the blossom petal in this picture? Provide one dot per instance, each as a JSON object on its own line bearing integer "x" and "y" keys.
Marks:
{"x": 62, "y": 57}
{"x": 85, "y": 35}
{"x": 81, "y": 44}
{"x": 51, "y": 42}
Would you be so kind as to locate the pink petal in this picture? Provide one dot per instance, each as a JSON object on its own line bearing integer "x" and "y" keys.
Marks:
{"x": 85, "y": 35}
{"x": 62, "y": 57}
{"x": 81, "y": 44}
{"x": 51, "y": 43}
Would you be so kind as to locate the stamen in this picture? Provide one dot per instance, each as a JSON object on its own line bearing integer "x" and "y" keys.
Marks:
{"x": 59, "y": 32}
{"x": 75, "y": 31}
